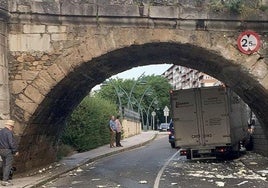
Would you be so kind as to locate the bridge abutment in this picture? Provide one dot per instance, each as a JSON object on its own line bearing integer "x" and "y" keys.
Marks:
{"x": 4, "y": 78}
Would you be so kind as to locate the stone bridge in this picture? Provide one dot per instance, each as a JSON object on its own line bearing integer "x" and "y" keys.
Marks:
{"x": 54, "y": 52}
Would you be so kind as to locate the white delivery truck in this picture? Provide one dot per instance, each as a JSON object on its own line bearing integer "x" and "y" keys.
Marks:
{"x": 209, "y": 122}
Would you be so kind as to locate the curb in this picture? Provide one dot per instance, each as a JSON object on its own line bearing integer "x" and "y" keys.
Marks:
{"x": 42, "y": 182}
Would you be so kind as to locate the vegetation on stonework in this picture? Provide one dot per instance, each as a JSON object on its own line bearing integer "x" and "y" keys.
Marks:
{"x": 87, "y": 127}
{"x": 244, "y": 8}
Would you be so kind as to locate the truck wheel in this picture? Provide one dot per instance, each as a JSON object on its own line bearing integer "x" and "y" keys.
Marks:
{"x": 172, "y": 144}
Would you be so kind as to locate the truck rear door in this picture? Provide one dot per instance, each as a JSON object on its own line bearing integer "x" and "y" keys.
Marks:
{"x": 216, "y": 128}
{"x": 185, "y": 121}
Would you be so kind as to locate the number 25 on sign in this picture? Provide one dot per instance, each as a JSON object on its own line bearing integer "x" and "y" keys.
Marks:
{"x": 248, "y": 42}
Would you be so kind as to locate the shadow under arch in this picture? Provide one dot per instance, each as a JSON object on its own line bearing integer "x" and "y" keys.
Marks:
{"x": 44, "y": 127}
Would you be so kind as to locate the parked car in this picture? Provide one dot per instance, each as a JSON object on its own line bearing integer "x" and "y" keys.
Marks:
{"x": 163, "y": 127}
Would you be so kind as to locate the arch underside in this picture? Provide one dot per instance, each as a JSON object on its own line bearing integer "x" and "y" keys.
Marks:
{"x": 48, "y": 121}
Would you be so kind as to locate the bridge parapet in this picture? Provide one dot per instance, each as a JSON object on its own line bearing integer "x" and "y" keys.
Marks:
{"x": 175, "y": 14}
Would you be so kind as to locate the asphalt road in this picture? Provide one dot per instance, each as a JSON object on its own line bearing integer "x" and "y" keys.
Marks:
{"x": 157, "y": 165}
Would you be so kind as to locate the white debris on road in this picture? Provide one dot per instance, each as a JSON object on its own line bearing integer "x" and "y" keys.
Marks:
{"x": 242, "y": 183}
{"x": 95, "y": 179}
{"x": 101, "y": 186}
{"x": 220, "y": 183}
{"x": 79, "y": 170}
{"x": 143, "y": 182}
{"x": 263, "y": 172}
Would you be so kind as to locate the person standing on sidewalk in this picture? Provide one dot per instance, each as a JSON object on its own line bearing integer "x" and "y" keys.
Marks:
{"x": 118, "y": 132}
{"x": 112, "y": 127}
{"x": 8, "y": 148}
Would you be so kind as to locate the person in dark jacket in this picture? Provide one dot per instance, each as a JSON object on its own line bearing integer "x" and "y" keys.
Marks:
{"x": 118, "y": 132}
{"x": 8, "y": 148}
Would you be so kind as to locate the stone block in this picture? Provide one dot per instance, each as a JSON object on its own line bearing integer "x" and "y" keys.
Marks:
{"x": 187, "y": 24}
{"x": 4, "y": 107}
{"x": 43, "y": 86}
{"x": 222, "y": 25}
{"x": 58, "y": 37}
{"x": 2, "y": 125}
{"x": 193, "y": 13}
{"x": 17, "y": 86}
{"x": 3, "y": 75}
{"x": 119, "y": 10}
{"x": 79, "y": 9}
{"x": 264, "y": 82}
{"x": 164, "y": 12}
{"x": 29, "y": 107}
{"x": 3, "y": 28}
{"x": 34, "y": 94}
{"x": 159, "y": 23}
{"x": 15, "y": 28}
{"x": 4, "y": 92}
{"x": 56, "y": 28}
{"x": 46, "y": 7}
{"x": 34, "y": 28}
{"x": 56, "y": 73}
{"x": 260, "y": 69}
{"x": 29, "y": 42}
{"x": 23, "y": 8}
{"x": 43, "y": 75}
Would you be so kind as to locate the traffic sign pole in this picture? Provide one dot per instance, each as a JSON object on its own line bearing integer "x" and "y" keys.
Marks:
{"x": 166, "y": 112}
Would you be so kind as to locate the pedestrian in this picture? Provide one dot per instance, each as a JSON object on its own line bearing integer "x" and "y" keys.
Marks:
{"x": 112, "y": 127}
{"x": 8, "y": 148}
{"x": 118, "y": 132}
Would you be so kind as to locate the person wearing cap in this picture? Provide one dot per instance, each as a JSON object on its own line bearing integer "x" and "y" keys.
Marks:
{"x": 8, "y": 148}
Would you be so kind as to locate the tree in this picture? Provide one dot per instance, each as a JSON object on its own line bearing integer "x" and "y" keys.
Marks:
{"x": 146, "y": 92}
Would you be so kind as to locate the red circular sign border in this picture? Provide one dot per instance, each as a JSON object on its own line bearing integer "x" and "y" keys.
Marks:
{"x": 251, "y": 33}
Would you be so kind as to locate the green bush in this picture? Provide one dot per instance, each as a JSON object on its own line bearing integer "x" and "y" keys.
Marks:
{"x": 87, "y": 128}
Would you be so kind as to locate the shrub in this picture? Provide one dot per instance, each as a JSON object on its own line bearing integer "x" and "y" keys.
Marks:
{"x": 87, "y": 128}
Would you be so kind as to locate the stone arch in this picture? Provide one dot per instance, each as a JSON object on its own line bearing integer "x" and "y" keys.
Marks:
{"x": 44, "y": 125}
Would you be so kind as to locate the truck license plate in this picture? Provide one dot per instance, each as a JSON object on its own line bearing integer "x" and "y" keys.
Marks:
{"x": 204, "y": 151}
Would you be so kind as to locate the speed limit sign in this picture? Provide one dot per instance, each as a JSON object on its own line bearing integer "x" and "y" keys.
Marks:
{"x": 248, "y": 42}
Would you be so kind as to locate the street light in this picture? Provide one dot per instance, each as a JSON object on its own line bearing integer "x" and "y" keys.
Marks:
{"x": 132, "y": 88}
{"x": 119, "y": 95}
{"x": 147, "y": 92}
{"x": 155, "y": 101}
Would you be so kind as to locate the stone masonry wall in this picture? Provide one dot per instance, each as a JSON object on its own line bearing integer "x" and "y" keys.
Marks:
{"x": 131, "y": 127}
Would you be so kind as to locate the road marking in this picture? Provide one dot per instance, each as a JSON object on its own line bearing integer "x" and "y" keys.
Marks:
{"x": 157, "y": 179}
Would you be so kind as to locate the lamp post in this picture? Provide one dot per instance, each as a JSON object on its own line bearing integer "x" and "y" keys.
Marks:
{"x": 119, "y": 95}
{"x": 148, "y": 92}
{"x": 132, "y": 88}
{"x": 153, "y": 115}
{"x": 147, "y": 113}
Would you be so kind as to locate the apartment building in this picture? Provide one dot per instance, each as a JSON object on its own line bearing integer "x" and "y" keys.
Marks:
{"x": 183, "y": 78}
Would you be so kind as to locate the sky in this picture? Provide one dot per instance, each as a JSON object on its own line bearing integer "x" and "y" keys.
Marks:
{"x": 137, "y": 71}
{"x": 147, "y": 70}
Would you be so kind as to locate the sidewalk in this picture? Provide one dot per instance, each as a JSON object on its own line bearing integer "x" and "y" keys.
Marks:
{"x": 76, "y": 160}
